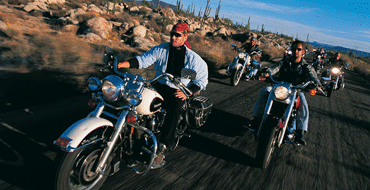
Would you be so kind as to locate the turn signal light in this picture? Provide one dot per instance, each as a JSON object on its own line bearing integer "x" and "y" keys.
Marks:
{"x": 131, "y": 119}
{"x": 313, "y": 92}
{"x": 281, "y": 124}
{"x": 91, "y": 104}
{"x": 62, "y": 142}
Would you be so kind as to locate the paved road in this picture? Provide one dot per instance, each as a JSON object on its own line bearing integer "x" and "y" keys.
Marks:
{"x": 218, "y": 156}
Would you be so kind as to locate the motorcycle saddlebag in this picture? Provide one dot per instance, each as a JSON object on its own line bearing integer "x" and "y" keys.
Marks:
{"x": 199, "y": 109}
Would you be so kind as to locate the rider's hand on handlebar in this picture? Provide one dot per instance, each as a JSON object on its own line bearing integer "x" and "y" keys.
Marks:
{"x": 124, "y": 64}
{"x": 180, "y": 94}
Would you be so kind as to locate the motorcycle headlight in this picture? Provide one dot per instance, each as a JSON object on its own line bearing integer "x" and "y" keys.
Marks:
{"x": 281, "y": 92}
{"x": 93, "y": 84}
{"x": 134, "y": 98}
{"x": 335, "y": 70}
{"x": 241, "y": 55}
{"x": 112, "y": 88}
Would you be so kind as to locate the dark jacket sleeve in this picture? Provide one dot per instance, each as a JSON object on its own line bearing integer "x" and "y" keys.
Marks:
{"x": 134, "y": 63}
{"x": 313, "y": 75}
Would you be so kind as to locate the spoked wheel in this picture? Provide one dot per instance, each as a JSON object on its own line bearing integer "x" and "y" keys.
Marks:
{"x": 77, "y": 170}
{"x": 268, "y": 137}
{"x": 235, "y": 77}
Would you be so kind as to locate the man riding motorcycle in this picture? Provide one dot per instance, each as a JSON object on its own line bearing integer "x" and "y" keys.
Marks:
{"x": 250, "y": 47}
{"x": 293, "y": 69}
{"x": 335, "y": 61}
{"x": 171, "y": 58}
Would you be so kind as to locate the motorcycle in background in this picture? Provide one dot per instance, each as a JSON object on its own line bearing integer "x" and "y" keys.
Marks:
{"x": 278, "y": 123}
{"x": 122, "y": 130}
{"x": 243, "y": 66}
{"x": 332, "y": 79}
{"x": 318, "y": 63}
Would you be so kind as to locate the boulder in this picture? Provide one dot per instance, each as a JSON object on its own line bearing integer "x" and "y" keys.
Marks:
{"x": 91, "y": 37}
{"x": 142, "y": 43}
{"x": 168, "y": 12}
{"x": 35, "y": 6}
{"x": 70, "y": 28}
{"x": 99, "y": 26}
{"x": 165, "y": 38}
{"x": 73, "y": 13}
{"x": 50, "y": 1}
{"x": 140, "y": 31}
{"x": 94, "y": 8}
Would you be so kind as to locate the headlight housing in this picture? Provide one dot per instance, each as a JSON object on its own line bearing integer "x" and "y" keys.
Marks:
{"x": 93, "y": 84}
{"x": 112, "y": 88}
{"x": 134, "y": 98}
{"x": 281, "y": 92}
{"x": 241, "y": 55}
{"x": 335, "y": 70}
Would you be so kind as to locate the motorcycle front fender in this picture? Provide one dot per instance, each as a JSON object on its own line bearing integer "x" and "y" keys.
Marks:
{"x": 77, "y": 132}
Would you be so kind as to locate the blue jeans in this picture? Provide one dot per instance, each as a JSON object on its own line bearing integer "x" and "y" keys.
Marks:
{"x": 302, "y": 110}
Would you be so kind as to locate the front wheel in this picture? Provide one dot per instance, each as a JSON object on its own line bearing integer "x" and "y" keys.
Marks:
{"x": 267, "y": 140}
{"x": 329, "y": 89}
{"x": 77, "y": 170}
{"x": 235, "y": 77}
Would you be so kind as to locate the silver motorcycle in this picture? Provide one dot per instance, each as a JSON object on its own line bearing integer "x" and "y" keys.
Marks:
{"x": 278, "y": 123}
{"x": 243, "y": 66}
{"x": 121, "y": 131}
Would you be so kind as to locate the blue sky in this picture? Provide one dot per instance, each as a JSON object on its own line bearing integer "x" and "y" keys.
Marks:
{"x": 340, "y": 23}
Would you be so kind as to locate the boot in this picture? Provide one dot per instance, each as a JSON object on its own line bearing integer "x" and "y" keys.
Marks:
{"x": 254, "y": 125}
{"x": 159, "y": 161}
{"x": 299, "y": 138}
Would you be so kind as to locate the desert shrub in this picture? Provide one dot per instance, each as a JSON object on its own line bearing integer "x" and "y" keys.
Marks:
{"x": 123, "y": 17}
{"x": 85, "y": 17}
{"x": 216, "y": 52}
{"x": 72, "y": 5}
{"x": 16, "y": 2}
{"x": 55, "y": 7}
{"x": 270, "y": 52}
{"x": 162, "y": 23}
{"x": 36, "y": 13}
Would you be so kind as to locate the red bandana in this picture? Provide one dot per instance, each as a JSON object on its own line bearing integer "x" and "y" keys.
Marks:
{"x": 181, "y": 27}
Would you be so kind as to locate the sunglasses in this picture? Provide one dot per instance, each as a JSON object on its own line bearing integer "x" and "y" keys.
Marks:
{"x": 299, "y": 49}
{"x": 175, "y": 34}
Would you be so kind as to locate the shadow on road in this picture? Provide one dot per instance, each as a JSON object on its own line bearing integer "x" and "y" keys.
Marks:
{"x": 24, "y": 163}
{"x": 225, "y": 123}
{"x": 211, "y": 147}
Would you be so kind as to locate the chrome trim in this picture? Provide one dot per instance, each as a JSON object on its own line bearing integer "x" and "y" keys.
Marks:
{"x": 68, "y": 148}
{"x": 155, "y": 143}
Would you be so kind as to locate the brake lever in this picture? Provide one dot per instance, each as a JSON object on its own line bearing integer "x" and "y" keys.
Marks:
{"x": 105, "y": 67}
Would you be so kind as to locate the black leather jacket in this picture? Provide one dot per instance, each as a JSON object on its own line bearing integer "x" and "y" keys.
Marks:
{"x": 334, "y": 62}
{"x": 249, "y": 48}
{"x": 295, "y": 73}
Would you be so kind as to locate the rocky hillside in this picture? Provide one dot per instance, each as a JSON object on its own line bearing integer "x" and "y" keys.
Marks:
{"x": 51, "y": 47}
{"x": 135, "y": 26}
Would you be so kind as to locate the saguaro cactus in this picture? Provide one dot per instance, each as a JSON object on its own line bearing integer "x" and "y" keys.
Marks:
{"x": 207, "y": 11}
{"x": 178, "y": 6}
{"x": 218, "y": 10}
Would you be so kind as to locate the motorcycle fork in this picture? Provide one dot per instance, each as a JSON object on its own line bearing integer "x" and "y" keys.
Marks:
{"x": 336, "y": 82}
{"x": 111, "y": 142}
{"x": 284, "y": 120}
